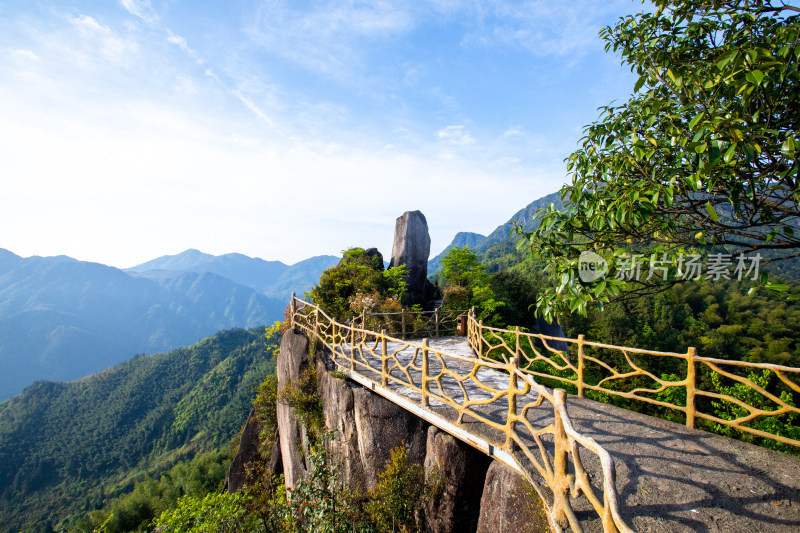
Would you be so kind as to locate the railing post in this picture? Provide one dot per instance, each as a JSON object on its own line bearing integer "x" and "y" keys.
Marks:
{"x": 293, "y": 309}
{"x": 560, "y": 476}
{"x": 316, "y": 323}
{"x": 480, "y": 339}
{"x": 384, "y": 360}
{"x": 436, "y": 320}
{"x": 691, "y": 382}
{"x": 513, "y": 387}
{"x": 581, "y": 366}
{"x": 352, "y": 345}
{"x": 364, "y": 323}
{"x": 425, "y": 371}
{"x": 403, "y": 322}
{"x": 518, "y": 347}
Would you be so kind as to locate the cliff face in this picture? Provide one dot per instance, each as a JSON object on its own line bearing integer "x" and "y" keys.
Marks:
{"x": 476, "y": 493}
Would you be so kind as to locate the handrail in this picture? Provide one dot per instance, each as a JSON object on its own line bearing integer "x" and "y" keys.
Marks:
{"x": 459, "y": 382}
{"x": 631, "y": 380}
{"x": 424, "y": 323}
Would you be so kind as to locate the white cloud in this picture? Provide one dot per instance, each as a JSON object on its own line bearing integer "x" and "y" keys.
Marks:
{"x": 332, "y": 37}
{"x": 98, "y": 39}
{"x": 182, "y": 44}
{"x": 257, "y": 111}
{"x": 140, "y": 8}
{"x": 542, "y": 27}
{"x": 23, "y": 56}
{"x": 456, "y": 135}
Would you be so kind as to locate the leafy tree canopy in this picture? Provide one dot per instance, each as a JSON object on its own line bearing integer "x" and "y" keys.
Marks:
{"x": 359, "y": 283}
{"x": 703, "y": 154}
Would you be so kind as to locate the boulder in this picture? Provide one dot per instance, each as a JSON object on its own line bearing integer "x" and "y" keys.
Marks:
{"x": 411, "y": 247}
{"x": 236, "y": 476}
{"x": 373, "y": 252}
{"x": 509, "y": 504}
{"x": 459, "y": 472}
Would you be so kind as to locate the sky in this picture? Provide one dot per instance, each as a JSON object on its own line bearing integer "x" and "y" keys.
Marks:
{"x": 132, "y": 129}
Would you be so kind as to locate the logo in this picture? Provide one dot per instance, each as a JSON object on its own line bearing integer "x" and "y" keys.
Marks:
{"x": 591, "y": 267}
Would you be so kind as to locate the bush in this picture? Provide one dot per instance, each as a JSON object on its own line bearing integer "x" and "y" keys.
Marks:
{"x": 359, "y": 283}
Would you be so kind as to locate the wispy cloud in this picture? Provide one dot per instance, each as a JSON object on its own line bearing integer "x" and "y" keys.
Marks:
{"x": 332, "y": 37}
{"x": 140, "y": 8}
{"x": 97, "y": 39}
{"x": 542, "y": 27}
{"x": 456, "y": 135}
{"x": 183, "y": 44}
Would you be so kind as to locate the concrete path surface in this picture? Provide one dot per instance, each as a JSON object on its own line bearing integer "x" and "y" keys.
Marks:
{"x": 669, "y": 478}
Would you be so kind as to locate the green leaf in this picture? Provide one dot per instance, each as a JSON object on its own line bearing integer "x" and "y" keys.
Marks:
{"x": 729, "y": 153}
{"x": 639, "y": 83}
{"x": 755, "y": 76}
{"x": 712, "y": 212}
{"x": 780, "y": 287}
{"x": 787, "y": 148}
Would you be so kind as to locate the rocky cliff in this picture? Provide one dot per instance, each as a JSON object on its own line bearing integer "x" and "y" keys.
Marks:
{"x": 475, "y": 493}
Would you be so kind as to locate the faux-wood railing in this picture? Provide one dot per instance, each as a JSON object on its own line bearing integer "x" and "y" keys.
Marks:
{"x": 375, "y": 357}
{"x": 629, "y": 378}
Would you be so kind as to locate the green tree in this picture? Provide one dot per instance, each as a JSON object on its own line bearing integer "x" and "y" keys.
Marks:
{"x": 702, "y": 154}
{"x": 468, "y": 285}
{"x": 357, "y": 283}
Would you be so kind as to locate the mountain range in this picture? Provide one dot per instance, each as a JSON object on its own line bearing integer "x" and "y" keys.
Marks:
{"x": 271, "y": 278}
{"x": 61, "y": 319}
{"x": 501, "y": 235}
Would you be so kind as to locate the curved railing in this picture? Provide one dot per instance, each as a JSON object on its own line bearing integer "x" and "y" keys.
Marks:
{"x": 494, "y": 392}
{"x": 412, "y": 324}
{"x": 728, "y": 393}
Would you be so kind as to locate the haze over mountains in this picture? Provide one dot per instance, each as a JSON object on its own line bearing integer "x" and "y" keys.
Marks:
{"x": 480, "y": 243}
{"x": 271, "y": 278}
{"x": 61, "y": 319}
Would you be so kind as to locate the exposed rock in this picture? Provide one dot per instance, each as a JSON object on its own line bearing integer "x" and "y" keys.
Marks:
{"x": 412, "y": 246}
{"x": 337, "y": 407}
{"x": 461, "y": 471}
{"x": 508, "y": 505}
{"x": 368, "y": 427}
{"x": 247, "y": 452}
{"x": 292, "y": 435}
{"x": 373, "y": 252}
{"x": 275, "y": 465}
{"x": 476, "y": 493}
{"x": 381, "y": 426}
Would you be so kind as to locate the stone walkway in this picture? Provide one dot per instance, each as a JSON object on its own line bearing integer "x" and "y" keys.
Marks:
{"x": 669, "y": 478}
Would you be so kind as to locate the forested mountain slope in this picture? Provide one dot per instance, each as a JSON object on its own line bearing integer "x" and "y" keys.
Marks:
{"x": 65, "y": 447}
{"x": 62, "y": 319}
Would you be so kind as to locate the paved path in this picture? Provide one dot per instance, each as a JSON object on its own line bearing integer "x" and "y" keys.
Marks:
{"x": 669, "y": 478}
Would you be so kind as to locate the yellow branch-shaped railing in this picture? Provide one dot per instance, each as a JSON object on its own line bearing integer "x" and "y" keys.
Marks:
{"x": 470, "y": 389}
{"x": 412, "y": 324}
{"x": 628, "y": 377}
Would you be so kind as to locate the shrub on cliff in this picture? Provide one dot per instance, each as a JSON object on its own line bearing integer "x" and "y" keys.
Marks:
{"x": 359, "y": 283}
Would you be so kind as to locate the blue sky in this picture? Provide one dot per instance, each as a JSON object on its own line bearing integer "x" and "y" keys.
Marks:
{"x": 132, "y": 129}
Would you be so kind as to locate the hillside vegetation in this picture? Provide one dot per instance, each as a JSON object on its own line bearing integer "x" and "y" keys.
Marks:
{"x": 66, "y": 447}
{"x": 62, "y": 319}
